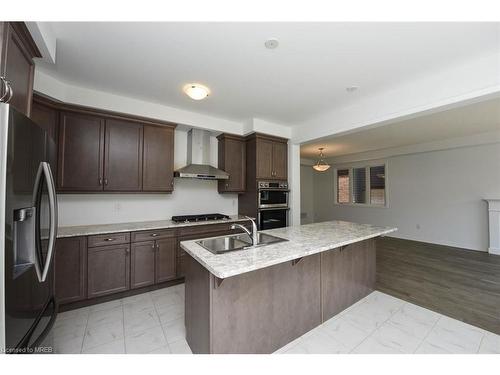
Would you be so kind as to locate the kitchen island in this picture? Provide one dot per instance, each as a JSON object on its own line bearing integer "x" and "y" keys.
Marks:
{"x": 259, "y": 299}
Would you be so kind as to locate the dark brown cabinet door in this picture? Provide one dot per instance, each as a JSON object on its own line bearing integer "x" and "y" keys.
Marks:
{"x": 166, "y": 259}
{"x": 16, "y": 63}
{"x": 158, "y": 172}
{"x": 108, "y": 270}
{"x": 123, "y": 156}
{"x": 264, "y": 155}
{"x": 81, "y": 152}
{"x": 71, "y": 269}
{"x": 232, "y": 159}
{"x": 142, "y": 264}
{"x": 280, "y": 160}
{"x": 47, "y": 118}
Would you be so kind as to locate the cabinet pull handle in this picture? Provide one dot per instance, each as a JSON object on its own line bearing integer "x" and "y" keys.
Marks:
{"x": 154, "y": 234}
{"x": 127, "y": 251}
{"x": 105, "y": 181}
{"x": 109, "y": 239}
{"x": 100, "y": 180}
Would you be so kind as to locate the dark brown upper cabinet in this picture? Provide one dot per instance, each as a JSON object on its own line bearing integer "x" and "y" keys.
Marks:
{"x": 280, "y": 160}
{"x": 80, "y": 152}
{"x": 232, "y": 159}
{"x": 107, "y": 152}
{"x": 269, "y": 157}
{"x": 158, "y": 166}
{"x": 123, "y": 156}
{"x": 17, "y": 50}
{"x": 48, "y": 119}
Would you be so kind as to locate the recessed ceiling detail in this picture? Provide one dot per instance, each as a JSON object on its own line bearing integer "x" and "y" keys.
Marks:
{"x": 272, "y": 43}
{"x": 481, "y": 117}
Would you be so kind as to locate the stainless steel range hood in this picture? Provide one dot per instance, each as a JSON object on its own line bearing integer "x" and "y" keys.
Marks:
{"x": 198, "y": 158}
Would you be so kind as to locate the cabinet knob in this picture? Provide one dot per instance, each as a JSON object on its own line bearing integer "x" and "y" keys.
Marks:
{"x": 100, "y": 180}
{"x": 154, "y": 234}
{"x": 105, "y": 181}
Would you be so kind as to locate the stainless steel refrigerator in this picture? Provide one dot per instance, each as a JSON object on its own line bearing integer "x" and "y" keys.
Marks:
{"x": 28, "y": 230}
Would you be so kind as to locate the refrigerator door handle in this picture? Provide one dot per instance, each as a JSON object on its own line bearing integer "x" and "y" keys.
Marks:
{"x": 44, "y": 171}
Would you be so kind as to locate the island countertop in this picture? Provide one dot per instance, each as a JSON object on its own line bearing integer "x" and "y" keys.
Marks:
{"x": 302, "y": 241}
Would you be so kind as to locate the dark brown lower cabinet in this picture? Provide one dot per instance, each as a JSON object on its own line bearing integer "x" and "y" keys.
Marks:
{"x": 142, "y": 264}
{"x": 165, "y": 259}
{"x": 347, "y": 275}
{"x": 274, "y": 305}
{"x": 269, "y": 307}
{"x": 108, "y": 270}
{"x": 71, "y": 269}
{"x": 90, "y": 267}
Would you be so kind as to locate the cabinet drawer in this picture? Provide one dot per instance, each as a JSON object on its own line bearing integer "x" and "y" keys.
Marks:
{"x": 149, "y": 235}
{"x": 109, "y": 239}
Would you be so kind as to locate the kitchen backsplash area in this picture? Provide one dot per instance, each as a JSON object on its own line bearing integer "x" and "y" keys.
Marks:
{"x": 189, "y": 197}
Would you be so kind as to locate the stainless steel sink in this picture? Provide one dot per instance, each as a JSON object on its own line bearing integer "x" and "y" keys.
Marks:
{"x": 221, "y": 245}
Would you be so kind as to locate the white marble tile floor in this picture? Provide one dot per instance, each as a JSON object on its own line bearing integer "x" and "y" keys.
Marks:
{"x": 154, "y": 323}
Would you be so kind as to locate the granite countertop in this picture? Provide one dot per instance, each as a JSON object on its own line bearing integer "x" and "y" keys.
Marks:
{"x": 86, "y": 230}
{"x": 302, "y": 241}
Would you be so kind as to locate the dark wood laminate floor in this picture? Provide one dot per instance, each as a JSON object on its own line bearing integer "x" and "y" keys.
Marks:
{"x": 462, "y": 284}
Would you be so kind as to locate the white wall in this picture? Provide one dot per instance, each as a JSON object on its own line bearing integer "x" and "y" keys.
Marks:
{"x": 306, "y": 194}
{"x": 432, "y": 197}
{"x": 189, "y": 197}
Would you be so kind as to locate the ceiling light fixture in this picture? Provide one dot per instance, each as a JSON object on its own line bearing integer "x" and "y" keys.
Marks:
{"x": 321, "y": 165}
{"x": 196, "y": 91}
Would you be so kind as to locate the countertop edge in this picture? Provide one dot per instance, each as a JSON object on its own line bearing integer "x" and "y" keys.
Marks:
{"x": 161, "y": 225}
{"x": 282, "y": 260}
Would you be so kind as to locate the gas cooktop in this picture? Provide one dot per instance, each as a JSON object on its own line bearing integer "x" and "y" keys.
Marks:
{"x": 195, "y": 218}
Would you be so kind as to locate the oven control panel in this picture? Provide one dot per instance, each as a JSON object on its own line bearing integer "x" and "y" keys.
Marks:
{"x": 273, "y": 185}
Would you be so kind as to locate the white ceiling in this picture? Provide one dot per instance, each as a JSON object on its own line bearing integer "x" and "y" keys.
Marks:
{"x": 454, "y": 123}
{"x": 307, "y": 74}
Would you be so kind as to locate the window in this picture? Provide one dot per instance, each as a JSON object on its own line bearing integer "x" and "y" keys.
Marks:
{"x": 361, "y": 185}
{"x": 377, "y": 185}
{"x": 343, "y": 186}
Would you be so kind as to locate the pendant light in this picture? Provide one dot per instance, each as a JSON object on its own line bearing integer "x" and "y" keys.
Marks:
{"x": 321, "y": 165}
